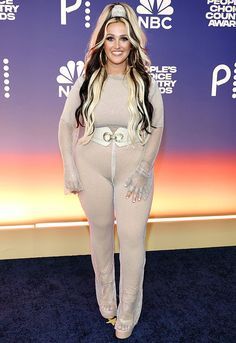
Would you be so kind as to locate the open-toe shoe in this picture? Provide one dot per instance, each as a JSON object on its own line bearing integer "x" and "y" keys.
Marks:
{"x": 124, "y": 327}
{"x": 106, "y": 297}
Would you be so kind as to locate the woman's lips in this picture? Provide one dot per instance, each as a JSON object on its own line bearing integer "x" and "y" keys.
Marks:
{"x": 117, "y": 53}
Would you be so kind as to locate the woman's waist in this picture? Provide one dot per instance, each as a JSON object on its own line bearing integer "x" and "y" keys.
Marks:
{"x": 106, "y": 134}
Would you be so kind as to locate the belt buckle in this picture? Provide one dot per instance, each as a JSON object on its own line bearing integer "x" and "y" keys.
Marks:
{"x": 119, "y": 137}
{"x": 107, "y": 136}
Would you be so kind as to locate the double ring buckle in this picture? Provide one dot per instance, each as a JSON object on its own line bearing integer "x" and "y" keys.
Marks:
{"x": 107, "y": 136}
{"x": 119, "y": 137}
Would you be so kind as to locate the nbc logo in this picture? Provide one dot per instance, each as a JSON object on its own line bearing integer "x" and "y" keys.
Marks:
{"x": 68, "y": 75}
{"x": 155, "y": 14}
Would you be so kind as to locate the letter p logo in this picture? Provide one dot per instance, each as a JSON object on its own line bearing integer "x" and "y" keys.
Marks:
{"x": 215, "y": 78}
{"x": 68, "y": 9}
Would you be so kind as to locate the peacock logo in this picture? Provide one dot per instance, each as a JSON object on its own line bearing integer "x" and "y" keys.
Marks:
{"x": 68, "y": 75}
{"x": 155, "y": 14}
{"x": 163, "y": 7}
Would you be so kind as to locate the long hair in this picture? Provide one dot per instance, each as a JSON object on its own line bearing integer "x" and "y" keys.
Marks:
{"x": 138, "y": 78}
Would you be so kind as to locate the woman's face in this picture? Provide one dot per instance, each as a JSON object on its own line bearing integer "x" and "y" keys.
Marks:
{"x": 117, "y": 46}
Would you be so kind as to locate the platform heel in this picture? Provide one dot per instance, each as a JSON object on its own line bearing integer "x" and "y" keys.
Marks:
{"x": 124, "y": 327}
{"x": 106, "y": 298}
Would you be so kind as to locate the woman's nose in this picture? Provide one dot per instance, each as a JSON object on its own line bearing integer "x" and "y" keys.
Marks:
{"x": 117, "y": 43}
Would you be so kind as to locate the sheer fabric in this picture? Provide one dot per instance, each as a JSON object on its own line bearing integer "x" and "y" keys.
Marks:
{"x": 109, "y": 110}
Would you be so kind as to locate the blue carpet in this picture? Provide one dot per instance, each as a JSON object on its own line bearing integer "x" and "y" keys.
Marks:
{"x": 189, "y": 296}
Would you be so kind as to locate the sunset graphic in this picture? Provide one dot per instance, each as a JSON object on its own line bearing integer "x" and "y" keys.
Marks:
{"x": 185, "y": 185}
{"x": 195, "y": 171}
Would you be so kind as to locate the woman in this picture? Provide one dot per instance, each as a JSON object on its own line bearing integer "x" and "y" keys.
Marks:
{"x": 109, "y": 136}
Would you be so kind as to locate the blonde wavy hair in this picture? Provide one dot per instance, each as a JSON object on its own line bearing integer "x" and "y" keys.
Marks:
{"x": 137, "y": 74}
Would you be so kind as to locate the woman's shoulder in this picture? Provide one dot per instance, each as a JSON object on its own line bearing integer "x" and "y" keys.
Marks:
{"x": 79, "y": 81}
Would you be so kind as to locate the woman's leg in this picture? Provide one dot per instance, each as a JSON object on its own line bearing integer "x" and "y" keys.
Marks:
{"x": 97, "y": 202}
{"x": 131, "y": 227}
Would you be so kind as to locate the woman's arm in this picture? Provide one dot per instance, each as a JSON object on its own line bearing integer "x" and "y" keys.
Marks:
{"x": 140, "y": 182}
{"x": 67, "y": 124}
{"x": 152, "y": 146}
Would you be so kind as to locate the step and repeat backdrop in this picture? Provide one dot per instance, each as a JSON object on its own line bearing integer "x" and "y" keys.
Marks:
{"x": 193, "y": 52}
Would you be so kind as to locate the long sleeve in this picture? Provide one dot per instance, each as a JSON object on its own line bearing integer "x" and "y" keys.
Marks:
{"x": 67, "y": 125}
{"x": 139, "y": 184}
{"x": 152, "y": 146}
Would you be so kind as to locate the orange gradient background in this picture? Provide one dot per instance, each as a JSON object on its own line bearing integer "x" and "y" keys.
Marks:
{"x": 185, "y": 185}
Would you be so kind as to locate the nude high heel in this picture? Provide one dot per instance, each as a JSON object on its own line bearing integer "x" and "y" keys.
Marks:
{"x": 106, "y": 297}
{"x": 124, "y": 327}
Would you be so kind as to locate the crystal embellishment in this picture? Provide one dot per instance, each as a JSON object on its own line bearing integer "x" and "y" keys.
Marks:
{"x": 118, "y": 11}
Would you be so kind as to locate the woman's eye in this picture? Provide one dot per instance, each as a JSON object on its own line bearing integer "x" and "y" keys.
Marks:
{"x": 111, "y": 38}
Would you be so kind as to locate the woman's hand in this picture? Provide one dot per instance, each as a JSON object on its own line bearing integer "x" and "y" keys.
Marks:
{"x": 72, "y": 182}
{"x": 140, "y": 182}
{"x": 139, "y": 186}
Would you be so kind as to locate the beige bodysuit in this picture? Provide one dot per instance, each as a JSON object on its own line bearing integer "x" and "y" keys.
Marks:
{"x": 88, "y": 169}
{"x": 111, "y": 111}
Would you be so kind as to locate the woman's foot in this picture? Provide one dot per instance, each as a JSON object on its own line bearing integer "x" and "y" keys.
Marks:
{"x": 124, "y": 323}
{"x": 127, "y": 318}
{"x": 106, "y": 296}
